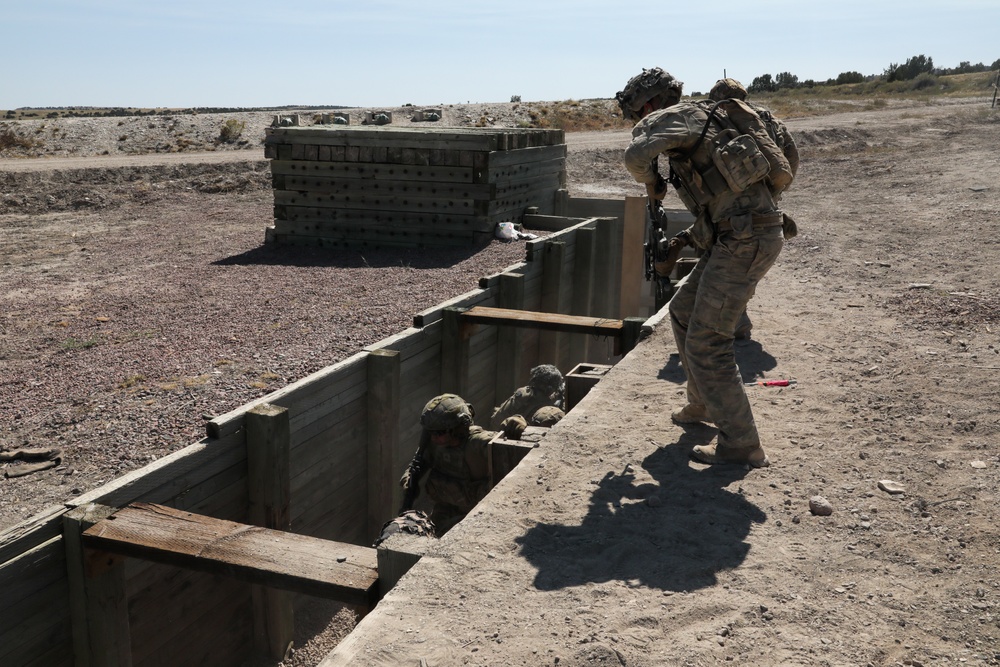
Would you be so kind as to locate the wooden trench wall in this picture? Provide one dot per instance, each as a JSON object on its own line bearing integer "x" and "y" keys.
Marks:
{"x": 353, "y": 428}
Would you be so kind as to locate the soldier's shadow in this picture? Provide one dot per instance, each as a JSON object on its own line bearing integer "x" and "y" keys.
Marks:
{"x": 674, "y": 534}
{"x": 751, "y": 357}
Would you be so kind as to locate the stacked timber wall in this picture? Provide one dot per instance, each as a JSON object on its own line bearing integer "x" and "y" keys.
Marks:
{"x": 353, "y": 427}
{"x": 380, "y": 186}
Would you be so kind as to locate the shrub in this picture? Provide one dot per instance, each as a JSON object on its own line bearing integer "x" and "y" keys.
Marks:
{"x": 11, "y": 139}
{"x": 231, "y": 131}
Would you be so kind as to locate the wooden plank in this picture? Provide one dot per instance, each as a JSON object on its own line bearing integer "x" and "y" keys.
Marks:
{"x": 434, "y": 313}
{"x": 291, "y": 396}
{"x": 98, "y": 595}
{"x": 169, "y": 476}
{"x": 473, "y": 139}
{"x": 583, "y": 282}
{"x": 268, "y": 445}
{"x": 383, "y": 434}
{"x": 583, "y": 207}
{"x": 549, "y": 223}
{"x": 510, "y": 295}
{"x": 632, "y": 257}
{"x": 37, "y": 575}
{"x": 356, "y": 230}
{"x": 375, "y": 172}
{"x": 372, "y": 202}
{"x": 330, "y": 443}
{"x": 527, "y": 155}
{"x": 417, "y": 189}
{"x": 550, "y": 344}
{"x": 376, "y": 217}
{"x": 542, "y": 321}
{"x": 454, "y": 353}
{"x": 268, "y": 557}
{"x": 28, "y": 534}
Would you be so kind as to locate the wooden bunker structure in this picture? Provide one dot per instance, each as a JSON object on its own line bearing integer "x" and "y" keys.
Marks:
{"x": 429, "y": 186}
{"x": 315, "y": 460}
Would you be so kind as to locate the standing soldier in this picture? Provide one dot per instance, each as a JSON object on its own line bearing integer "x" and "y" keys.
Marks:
{"x": 729, "y": 174}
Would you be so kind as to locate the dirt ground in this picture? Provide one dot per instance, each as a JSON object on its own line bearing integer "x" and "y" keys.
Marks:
{"x": 885, "y": 310}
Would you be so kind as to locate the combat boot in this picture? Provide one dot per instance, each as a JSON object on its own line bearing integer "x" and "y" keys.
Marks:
{"x": 690, "y": 414}
{"x": 755, "y": 458}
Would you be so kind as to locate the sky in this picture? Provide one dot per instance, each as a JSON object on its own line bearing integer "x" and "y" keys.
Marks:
{"x": 372, "y": 53}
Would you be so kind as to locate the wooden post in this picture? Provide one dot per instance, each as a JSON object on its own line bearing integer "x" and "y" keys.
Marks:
{"x": 550, "y": 343}
{"x": 606, "y": 286}
{"x": 583, "y": 287}
{"x": 632, "y": 279}
{"x": 454, "y": 353}
{"x": 631, "y": 333}
{"x": 510, "y": 295}
{"x": 268, "y": 442}
{"x": 384, "y": 496}
{"x": 98, "y": 598}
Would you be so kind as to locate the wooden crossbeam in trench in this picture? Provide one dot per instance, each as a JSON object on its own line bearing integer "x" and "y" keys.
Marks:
{"x": 272, "y": 558}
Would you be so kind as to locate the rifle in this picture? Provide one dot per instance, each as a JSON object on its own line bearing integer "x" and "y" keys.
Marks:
{"x": 654, "y": 248}
{"x": 411, "y": 480}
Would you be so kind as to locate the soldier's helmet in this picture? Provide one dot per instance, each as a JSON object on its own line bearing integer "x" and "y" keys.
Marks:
{"x": 546, "y": 378}
{"x": 446, "y": 412}
{"x": 728, "y": 88}
{"x": 548, "y": 415}
{"x": 641, "y": 88}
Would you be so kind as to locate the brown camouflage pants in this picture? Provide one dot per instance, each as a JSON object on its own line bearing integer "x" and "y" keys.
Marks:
{"x": 704, "y": 312}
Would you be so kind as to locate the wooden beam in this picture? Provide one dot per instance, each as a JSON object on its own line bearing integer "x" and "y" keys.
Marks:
{"x": 384, "y": 395}
{"x": 98, "y": 598}
{"x": 551, "y": 343}
{"x": 543, "y": 321}
{"x": 273, "y": 558}
{"x": 633, "y": 236}
{"x": 510, "y": 348}
{"x": 268, "y": 438}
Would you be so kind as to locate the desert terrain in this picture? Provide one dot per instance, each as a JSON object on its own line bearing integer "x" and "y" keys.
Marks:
{"x": 138, "y": 299}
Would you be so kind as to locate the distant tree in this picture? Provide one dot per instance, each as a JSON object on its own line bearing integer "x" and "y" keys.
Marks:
{"x": 850, "y": 77}
{"x": 786, "y": 80}
{"x": 763, "y": 84}
{"x": 911, "y": 69}
{"x": 809, "y": 83}
{"x": 996, "y": 64}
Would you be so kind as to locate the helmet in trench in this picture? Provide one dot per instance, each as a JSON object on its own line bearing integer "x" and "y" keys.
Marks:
{"x": 446, "y": 412}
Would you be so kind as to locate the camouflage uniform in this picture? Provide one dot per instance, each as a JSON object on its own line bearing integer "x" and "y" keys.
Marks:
{"x": 740, "y": 233}
{"x": 457, "y": 473}
{"x": 730, "y": 88}
{"x": 545, "y": 387}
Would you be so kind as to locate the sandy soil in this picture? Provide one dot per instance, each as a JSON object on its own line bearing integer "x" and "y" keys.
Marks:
{"x": 885, "y": 310}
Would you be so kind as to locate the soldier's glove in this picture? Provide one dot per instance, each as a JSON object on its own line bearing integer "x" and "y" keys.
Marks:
{"x": 666, "y": 258}
{"x": 657, "y": 190}
{"x": 513, "y": 427}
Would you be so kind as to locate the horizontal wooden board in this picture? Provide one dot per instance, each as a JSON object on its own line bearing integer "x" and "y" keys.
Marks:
{"x": 32, "y": 572}
{"x": 375, "y": 171}
{"x": 30, "y": 533}
{"x": 478, "y": 139}
{"x": 350, "y": 218}
{"x": 471, "y": 298}
{"x": 332, "y": 443}
{"x": 259, "y": 555}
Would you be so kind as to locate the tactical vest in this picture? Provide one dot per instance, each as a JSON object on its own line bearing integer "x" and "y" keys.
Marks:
{"x": 742, "y": 153}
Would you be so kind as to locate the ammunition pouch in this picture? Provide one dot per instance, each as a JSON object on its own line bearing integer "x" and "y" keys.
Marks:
{"x": 740, "y": 162}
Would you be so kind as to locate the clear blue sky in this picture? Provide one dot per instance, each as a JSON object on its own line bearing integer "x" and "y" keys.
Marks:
{"x": 223, "y": 53}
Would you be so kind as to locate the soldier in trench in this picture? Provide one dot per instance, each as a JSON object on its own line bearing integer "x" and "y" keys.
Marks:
{"x": 454, "y": 456}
